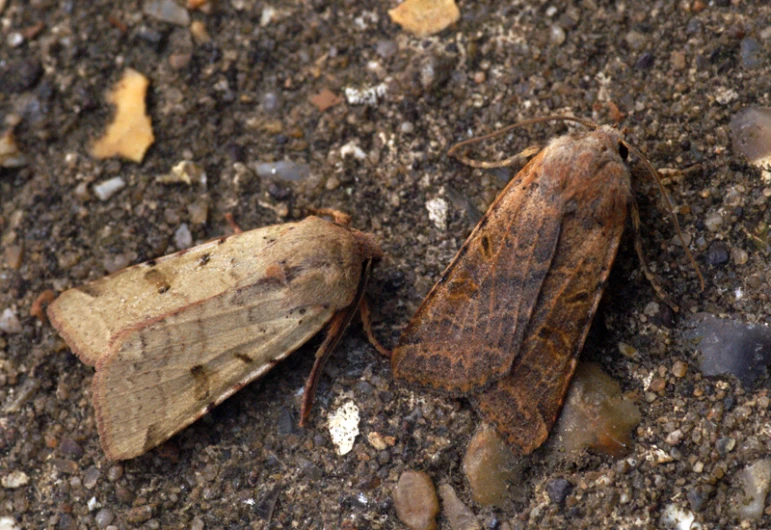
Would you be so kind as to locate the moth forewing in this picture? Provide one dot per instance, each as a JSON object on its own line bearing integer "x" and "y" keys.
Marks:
{"x": 173, "y": 337}
{"x": 509, "y": 316}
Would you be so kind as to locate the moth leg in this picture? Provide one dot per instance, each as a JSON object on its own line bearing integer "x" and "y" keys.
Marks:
{"x": 232, "y": 222}
{"x": 366, "y": 323}
{"x": 337, "y": 326}
{"x": 338, "y": 217}
{"x": 660, "y": 292}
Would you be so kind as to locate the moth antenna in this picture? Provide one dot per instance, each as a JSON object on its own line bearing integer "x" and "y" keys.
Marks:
{"x": 670, "y": 207}
{"x": 660, "y": 292}
{"x": 482, "y": 164}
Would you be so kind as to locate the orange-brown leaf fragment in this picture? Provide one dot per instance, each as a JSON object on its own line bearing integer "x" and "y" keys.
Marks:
{"x": 425, "y": 17}
{"x": 508, "y": 318}
{"x": 130, "y": 134}
{"x": 325, "y": 99}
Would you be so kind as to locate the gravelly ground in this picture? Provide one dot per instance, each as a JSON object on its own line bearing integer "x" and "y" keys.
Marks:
{"x": 677, "y": 76}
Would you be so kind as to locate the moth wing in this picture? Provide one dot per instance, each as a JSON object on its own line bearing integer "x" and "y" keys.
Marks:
{"x": 164, "y": 376}
{"x": 525, "y": 403}
{"x": 90, "y": 316}
{"x": 468, "y": 330}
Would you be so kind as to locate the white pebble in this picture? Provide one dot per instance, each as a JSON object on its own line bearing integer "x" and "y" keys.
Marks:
{"x": 676, "y": 518}
{"x": 365, "y": 96}
{"x": 8, "y": 523}
{"x": 106, "y": 189}
{"x": 15, "y": 39}
{"x": 437, "y": 212}
{"x": 9, "y": 322}
{"x": 182, "y": 237}
{"x": 754, "y": 484}
{"x": 344, "y": 427}
{"x": 15, "y": 479}
{"x": 351, "y": 149}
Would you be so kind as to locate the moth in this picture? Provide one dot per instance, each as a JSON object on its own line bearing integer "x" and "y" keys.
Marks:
{"x": 505, "y": 323}
{"x": 173, "y": 337}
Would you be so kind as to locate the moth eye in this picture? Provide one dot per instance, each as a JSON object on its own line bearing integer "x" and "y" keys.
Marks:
{"x": 623, "y": 151}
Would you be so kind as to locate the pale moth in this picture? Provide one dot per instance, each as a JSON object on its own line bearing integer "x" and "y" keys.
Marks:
{"x": 175, "y": 336}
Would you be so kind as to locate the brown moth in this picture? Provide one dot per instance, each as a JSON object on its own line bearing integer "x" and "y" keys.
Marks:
{"x": 506, "y": 321}
{"x": 173, "y": 337}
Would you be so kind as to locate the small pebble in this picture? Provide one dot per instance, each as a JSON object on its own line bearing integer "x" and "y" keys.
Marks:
{"x": 104, "y": 518}
{"x": 9, "y": 322}
{"x": 20, "y": 75}
{"x": 186, "y": 172}
{"x": 69, "y": 447}
{"x": 559, "y": 489}
{"x": 107, "y": 188}
{"x": 677, "y": 59}
{"x": 751, "y": 53}
{"x": 199, "y": 211}
{"x": 557, "y": 35}
{"x": 675, "y": 437}
{"x": 457, "y": 514}
{"x": 199, "y": 33}
{"x": 376, "y": 440}
{"x": 698, "y": 496}
{"x": 739, "y": 255}
{"x": 116, "y": 262}
{"x": 725, "y": 445}
{"x": 645, "y": 61}
{"x": 386, "y": 48}
{"x": 489, "y": 465}
{"x": 15, "y": 479}
{"x": 676, "y": 518}
{"x": 90, "y": 477}
{"x": 284, "y": 170}
{"x": 437, "y": 212}
{"x": 166, "y": 11}
{"x": 636, "y": 40}
{"x": 344, "y": 427}
{"x": 182, "y": 237}
{"x": 596, "y": 415}
{"x": 730, "y": 347}
{"x": 13, "y": 256}
{"x": 679, "y": 369}
{"x": 754, "y": 481}
{"x": 115, "y": 472}
{"x": 10, "y": 155}
{"x": 415, "y": 501}
{"x": 140, "y": 514}
{"x": 713, "y": 222}
{"x": 8, "y": 523}
{"x": 717, "y": 253}
{"x": 751, "y": 134}
{"x": 270, "y": 102}
{"x": 14, "y": 39}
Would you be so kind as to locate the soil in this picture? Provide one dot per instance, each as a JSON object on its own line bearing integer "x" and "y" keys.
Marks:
{"x": 672, "y": 72}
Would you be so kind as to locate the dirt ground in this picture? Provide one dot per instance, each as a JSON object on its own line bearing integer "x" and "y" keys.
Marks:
{"x": 674, "y": 72}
